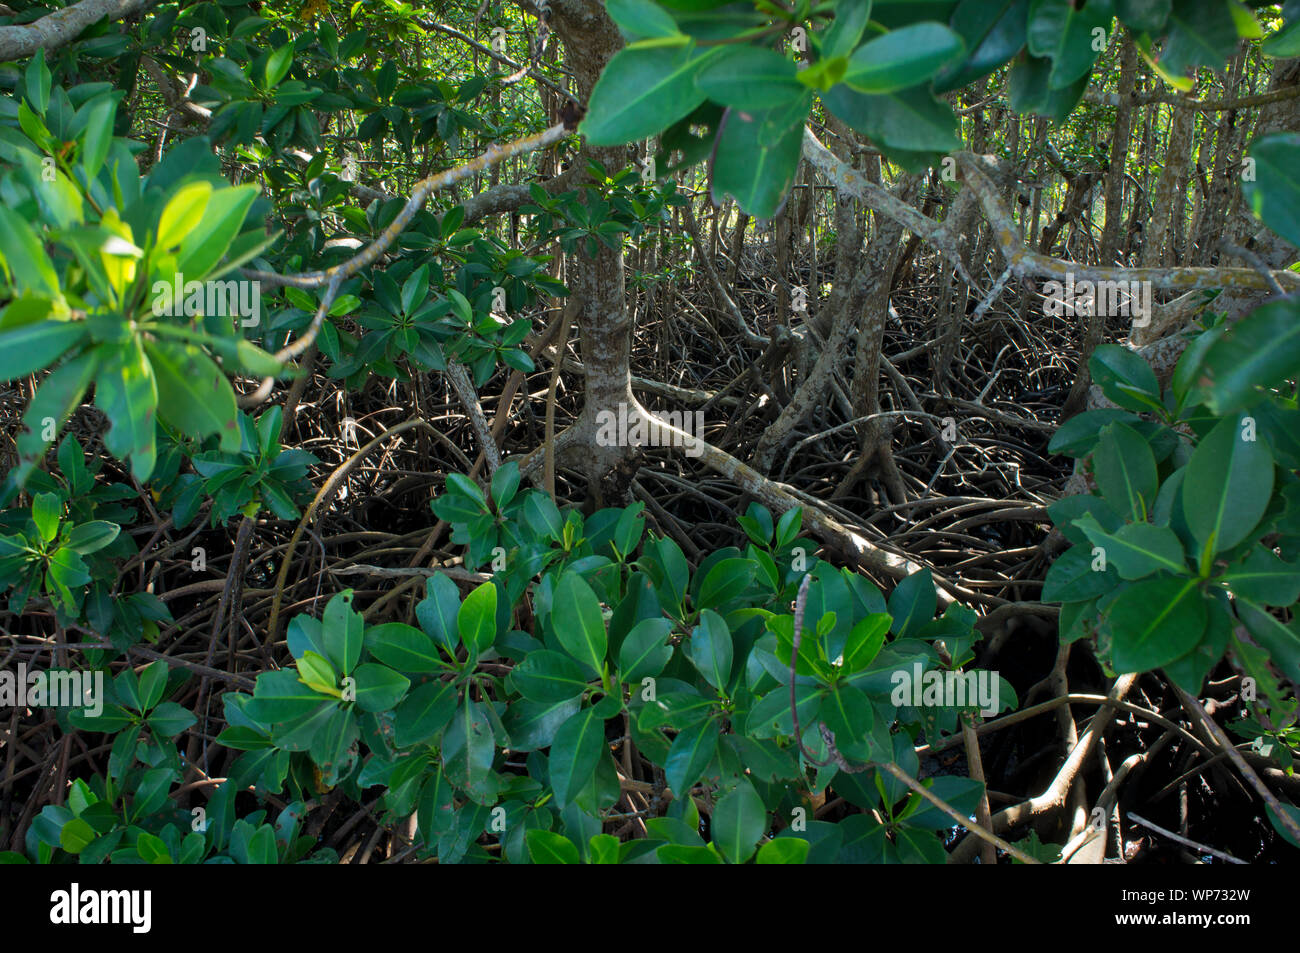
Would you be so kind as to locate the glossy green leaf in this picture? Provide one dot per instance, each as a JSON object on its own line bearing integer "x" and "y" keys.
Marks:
{"x": 548, "y": 847}
{"x": 193, "y": 395}
{"x": 1260, "y": 351}
{"x": 913, "y": 603}
{"x": 645, "y": 650}
{"x": 342, "y": 632}
{"x": 439, "y": 610}
{"x": 1228, "y": 485}
{"x": 757, "y": 174}
{"x": 378, "y": 687}
{"x": 1264, "y": 578}
{"x": 578, "y": 624}
{"x": 1125, "y": 470}
{"x": 903, "y": 58}
{"x": 577, "y": 748}
{"x": 750, "y": 78}
{"x": 1136, "y": 549}
{"x": 783, "y": 850}
{"x": 691, "y": 752}
{"x": 545, "y": 676}
{"x": 32, "y": 347}
{"x": 477, "y": 619}
{"x": 711, "y": 649}
{"x": 739, "y": 820}
{"x": 1154, "y": 622}
{"x": 404, "y": 648}
{"x": 643, "y": 91}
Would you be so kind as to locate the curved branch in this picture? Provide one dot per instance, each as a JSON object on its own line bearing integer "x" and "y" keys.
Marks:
{"x": 62, "y": 26}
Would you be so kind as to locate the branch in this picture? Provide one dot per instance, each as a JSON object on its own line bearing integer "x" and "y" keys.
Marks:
{"x": 333, "y": 278}
{"x": 881, "y": 200}
{"x": 1023, "y": 262}
{"x": 62, "y": 26}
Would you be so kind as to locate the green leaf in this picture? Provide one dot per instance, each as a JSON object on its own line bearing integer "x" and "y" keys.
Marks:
{"x": 1273, "y": 191}
{"x": 1147, "y": 16}
{"x": 690, "y": 753}
{"x": 332, "y": 741}
{"x": 278, "y": 65}
{"x": 578, "y": 624}
{"x": 477, "y": 619}
{"x": 1136, "y": 549}
{"x": 1063, "y": 32}
{"x": 23, "y": 256}
{"x": 1281, "y": 641}
{"x": 739, "y": 820}
{"x": 1200, "y": 33}
{"x": 182, "y": 214}
{"x": 279, "y": 698}
{"x": 994, "y": 32}
{"x": 404, "y": 648}
{"x": 125, "y": 390}
{"x": 1228, "y": 485}
{"x": 750, "y": 78}
{"x": 903, "y": 58}
{"x": 1259, "y": 351}
{"x": 1155, "y": 622}
{"x": 643, "y": 91}
{"x": 317, "y": 673}
{"x": 152, "y": 684}
{"x": 911, "y": 120}
{"x": 32, "y": 347}
{"x": 847, "y": 713}
{"x": 865, "y": 641}
{"x": 1029, "y": 90}
{"x": 783, "y": 850}
{"x": 682, "y": 854}
{"x": 548, "y": 847}
{"x": 424, "y": 713}
{"x": 207, "y": 242}
{"x": 1125, "y": 470}
{"x": 543, "y": 515}
{"x": 76, "y": 836}
{"x": 378, "y": 687}
{"x": 640, "y": 19}
{"x": 725, "y": 581}
{"x": 47, "y": 512}
{"x": 645, "y": 651}
{"x": 711, "y": 649}
{"x": 194, "y": 396}
{"x": 753, "y": 166}
{"x": 438, "y": 612}
{"x": 505, "y": 483}
{"x": 1078, "y": 436}
{"x": 533, "y": 725}
{"x": 845, "y": 31}
{"x": 1073, "y": 578}
{"x": 468, "y": 748}
{"x": 1125, "y": 378}
{"x": 913, "y": 603}
{"x": 91, "y": 537}
{"x": 1264, "y": 578}
{"x": 575, "y": 752}
{"x": 99, "y": 134}
{"x": 342, "y": 632}
{"x": 545, "y": 676}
